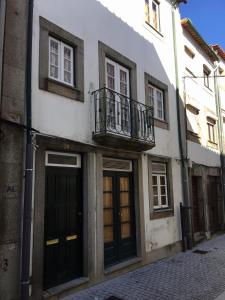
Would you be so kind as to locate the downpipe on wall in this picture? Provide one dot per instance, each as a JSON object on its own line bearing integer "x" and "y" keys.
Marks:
{"x": 28, "y": 180}
{"x": 220, "y": 134}
{"x": 181, "y": 120}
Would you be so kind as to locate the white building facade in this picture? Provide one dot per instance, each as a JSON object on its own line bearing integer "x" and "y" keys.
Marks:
{"x": 107, "y": 186}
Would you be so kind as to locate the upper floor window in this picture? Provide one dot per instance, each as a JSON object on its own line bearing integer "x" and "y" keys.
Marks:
{"x": 189, "y": 52}
{"x": 152, "y": 13}
{"x": 156, "y": 99}
{"x": 211, "y": 124}
{"x": 60, "y": 61}
{"x": 206, "y": 74}
{"x": 156, "y": 95}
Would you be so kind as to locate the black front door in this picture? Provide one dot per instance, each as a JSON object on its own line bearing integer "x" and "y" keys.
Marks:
{"x": 119, "y": 217}
{"x": 63, "y": 226}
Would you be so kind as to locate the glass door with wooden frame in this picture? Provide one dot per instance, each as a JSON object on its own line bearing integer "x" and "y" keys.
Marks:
{"x": 119, "y": 217}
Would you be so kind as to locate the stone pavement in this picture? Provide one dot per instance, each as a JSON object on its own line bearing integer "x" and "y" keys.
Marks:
{"x": 184, "y": 276}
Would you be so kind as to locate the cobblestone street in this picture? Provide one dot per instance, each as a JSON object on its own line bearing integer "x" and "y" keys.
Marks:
{"x": 184, "y": 276}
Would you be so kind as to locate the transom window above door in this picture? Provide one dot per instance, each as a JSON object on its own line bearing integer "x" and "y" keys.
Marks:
{"x": 61, "y": 67}
{"x": 156, "y": 99}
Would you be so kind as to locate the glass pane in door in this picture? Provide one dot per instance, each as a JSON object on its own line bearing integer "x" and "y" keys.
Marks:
{"x": 124, "y": 101}
{"x": 108, "y": 209}
{"x": 125, "y": 210}
{"x": 110, "y": 95}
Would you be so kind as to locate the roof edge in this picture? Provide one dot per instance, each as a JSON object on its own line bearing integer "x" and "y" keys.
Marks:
{"x": 196, "y": 36}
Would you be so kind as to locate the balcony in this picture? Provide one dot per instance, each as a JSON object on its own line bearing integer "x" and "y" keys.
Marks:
{"x": 121, "y": 122}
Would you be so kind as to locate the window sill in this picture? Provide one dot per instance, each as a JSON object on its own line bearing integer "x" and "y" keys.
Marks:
{"x": 62, "y": 89}
{"x": 161, "y": 124}
{"x": 122, "y": 265}
{"x": 161, "y": 213}
{"x": 193, "y": 137}
{"x": 212, "y": 144}
{"x": 148, "y": 25}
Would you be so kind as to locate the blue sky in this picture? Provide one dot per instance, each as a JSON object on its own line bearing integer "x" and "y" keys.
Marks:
{"x": 208, "y": 17}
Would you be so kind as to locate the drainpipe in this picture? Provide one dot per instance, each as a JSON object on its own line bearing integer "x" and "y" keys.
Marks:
{"x": 181, "y": 120}
{"x": 27, "y": 200}
{"x": 220, "y": 130}
{"x": 2, "y": 31}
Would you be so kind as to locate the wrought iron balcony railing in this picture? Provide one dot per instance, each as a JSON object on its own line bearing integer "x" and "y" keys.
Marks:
{"x": 120, "y": 117}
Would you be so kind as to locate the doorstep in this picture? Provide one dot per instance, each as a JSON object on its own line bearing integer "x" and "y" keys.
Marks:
{"x": 64, "y": 287}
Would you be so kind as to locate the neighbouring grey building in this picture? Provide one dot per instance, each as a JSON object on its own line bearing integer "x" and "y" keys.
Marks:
{"x": 13, "y": 41}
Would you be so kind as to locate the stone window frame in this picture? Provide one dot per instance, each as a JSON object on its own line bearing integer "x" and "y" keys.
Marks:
{"x": 104, "y": 52}
{"x": 164, "y": 124}
{"x": 161, "y": 212}
{"x": 76, "y": 92}
{"x": 206, "y": 76}
{"x": 213, "y": 124}
{"x": 191, "y": 135}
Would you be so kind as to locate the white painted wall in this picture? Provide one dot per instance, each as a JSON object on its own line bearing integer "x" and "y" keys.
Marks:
{"x": 120, "y": 25}
{"x": 199, "y": 96}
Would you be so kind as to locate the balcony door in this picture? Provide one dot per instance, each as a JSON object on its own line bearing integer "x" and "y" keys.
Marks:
{"x": 118, "y": 116}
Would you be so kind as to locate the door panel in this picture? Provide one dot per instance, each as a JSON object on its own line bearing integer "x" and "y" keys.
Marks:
{"x": 213, "y": 205}
{"x": 197, "y": 214}
{"x": 63, "y": 226}
{"x": 119, "y": 217}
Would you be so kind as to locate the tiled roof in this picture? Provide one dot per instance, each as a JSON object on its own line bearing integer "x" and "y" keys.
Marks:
{"x": 219, "y": 51}
{"x": 187, "y": 25}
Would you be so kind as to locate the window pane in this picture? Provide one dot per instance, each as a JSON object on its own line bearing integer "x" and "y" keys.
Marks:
{"x": 54, "y": 71}
{"x": 110, "y": 70}
{"x": 124, "y": 199}
{"x": 107, "y": 199}
{"x": 162, "y": 180}
{"x": 123, "y": 76}
{"x": 163, "y": 200}
{"x": 67, "y": 77}
{"x": 154, "y": 180}
{"x": 147, "y": 19}
{"x": 108, "y": 234}
{"x": 54, "y": 47}
{"x": 111, "y": 83}
{"x": 125, "y": 230}
{"x": 155, "y": 15}
{"x": 54, "y": 59}
{"x": 155, "y": 190}
{"x": 125, "y": 214}
{"x": 124, "y": 184}
{"x": 108, "y": 216}
{"x": 151, "y": 95}
{"x": 123, "y": 89}
{"x": 156, "y": 201}
{"x": 163, "y": 190}
{"x": 67, "y": 53}
{"x": 67, "y": 65}
{"x": 107, "y": 184}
